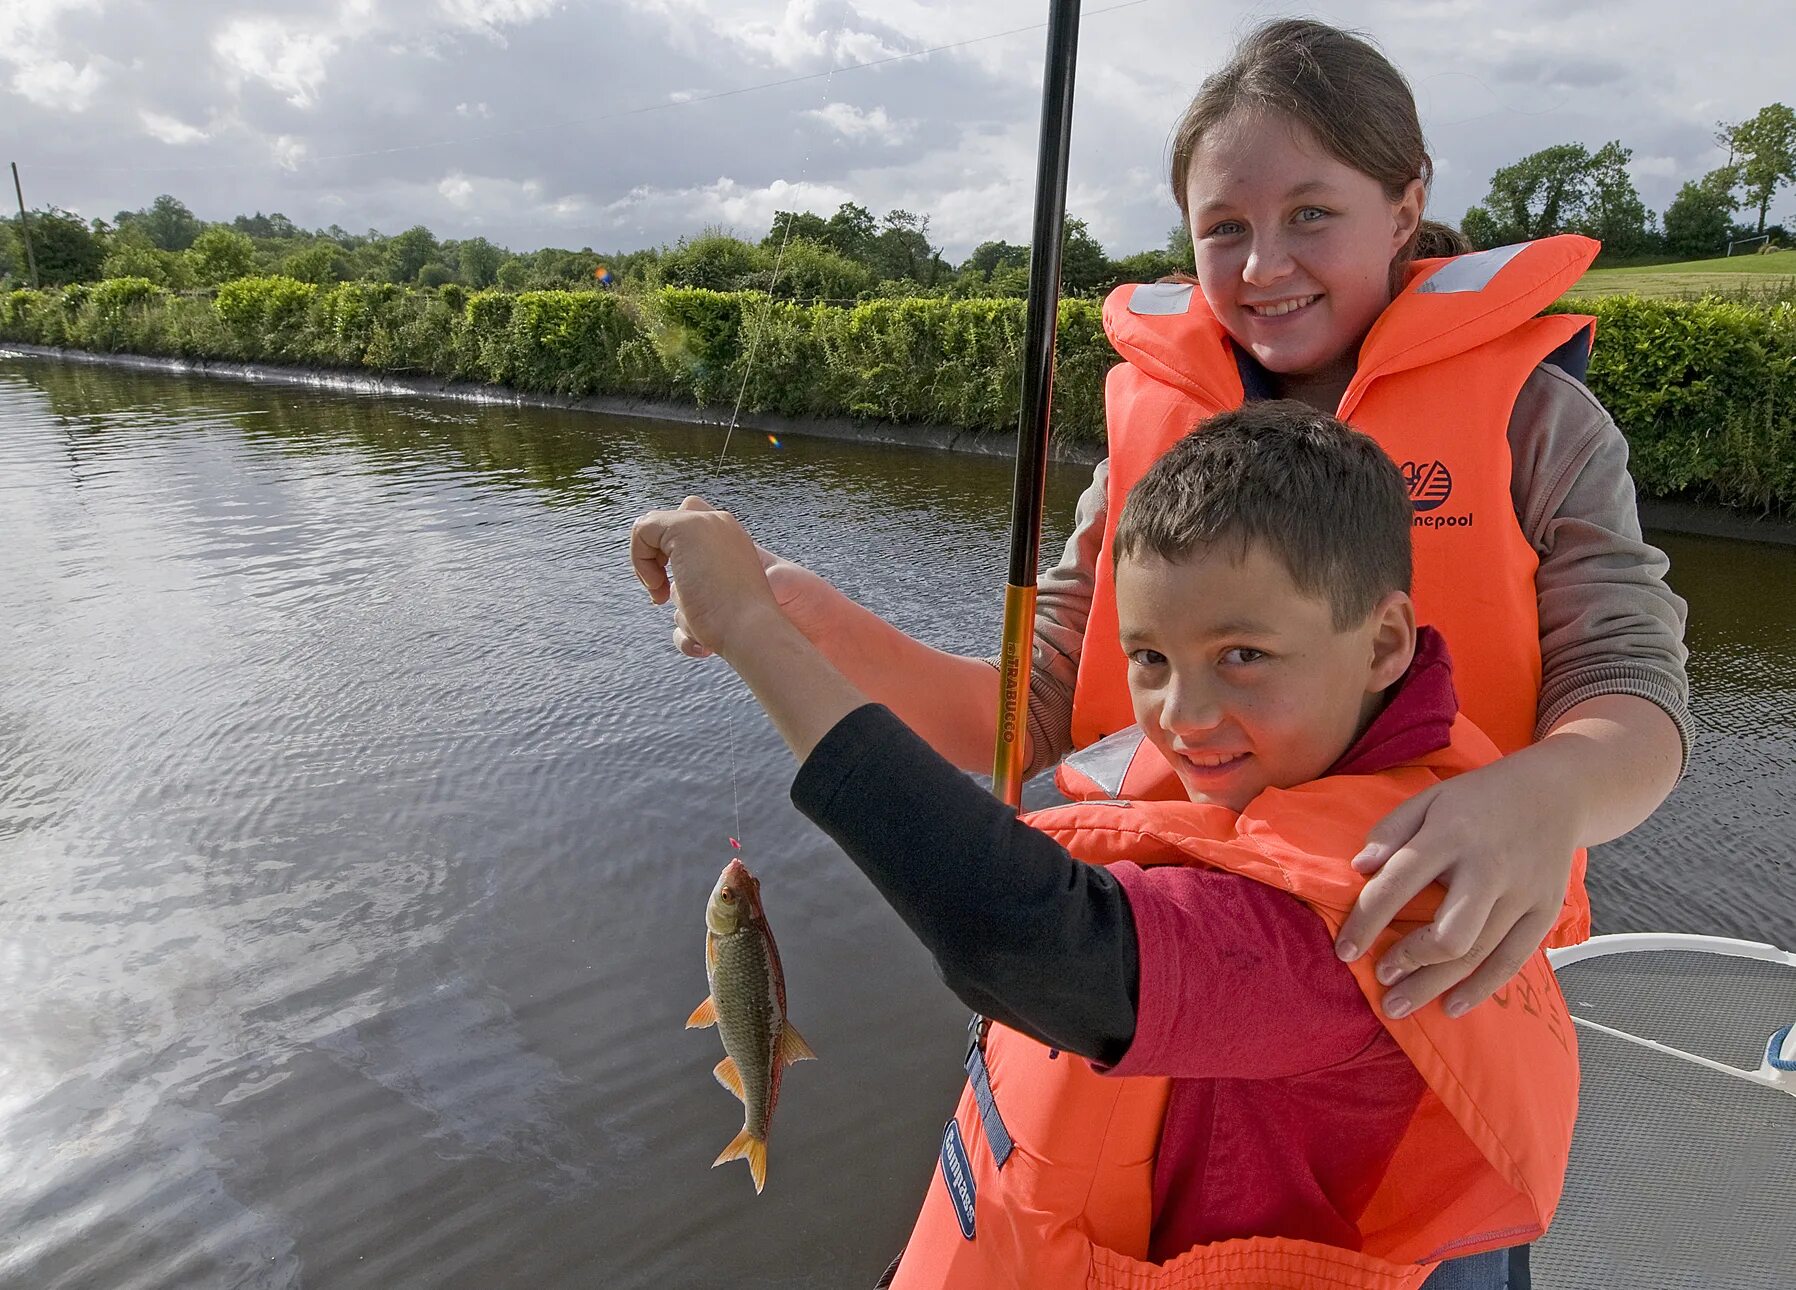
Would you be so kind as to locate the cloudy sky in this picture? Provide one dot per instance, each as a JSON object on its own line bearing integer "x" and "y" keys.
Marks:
{"x": 625, "y": 123}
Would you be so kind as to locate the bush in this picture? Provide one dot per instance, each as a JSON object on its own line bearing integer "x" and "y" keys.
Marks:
{"x": 267, "y": 317}
{"x": 1704, "y": 390}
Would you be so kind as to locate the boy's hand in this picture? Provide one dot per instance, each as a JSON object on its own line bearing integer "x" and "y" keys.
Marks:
{"x": 710, "y": 566}
{"x": 1499, "y": 844}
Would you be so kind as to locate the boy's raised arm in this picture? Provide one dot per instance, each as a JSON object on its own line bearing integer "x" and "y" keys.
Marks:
{"x": 710, "y": 567}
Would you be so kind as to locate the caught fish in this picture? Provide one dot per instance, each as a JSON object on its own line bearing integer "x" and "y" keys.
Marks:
{"x": 747, "y": 1004}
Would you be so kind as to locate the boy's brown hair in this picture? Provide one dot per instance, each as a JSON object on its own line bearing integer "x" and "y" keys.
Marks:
{"x": 1321, "y": 497}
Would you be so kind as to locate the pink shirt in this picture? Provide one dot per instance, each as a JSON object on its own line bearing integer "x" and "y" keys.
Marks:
{"x": 1289, "y": 1095}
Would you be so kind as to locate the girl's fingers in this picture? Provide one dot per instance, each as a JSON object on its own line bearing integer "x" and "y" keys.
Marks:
{"x": 1426, "y": 984}
{"x": 1510, "y": 956}
{"x": 1389, "y": 834}
{"x": 1390, "y": 889}
{"x": 1459, "y": 926}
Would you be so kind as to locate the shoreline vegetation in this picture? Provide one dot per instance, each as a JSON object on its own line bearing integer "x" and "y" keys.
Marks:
{"x": 1704, "y": 390}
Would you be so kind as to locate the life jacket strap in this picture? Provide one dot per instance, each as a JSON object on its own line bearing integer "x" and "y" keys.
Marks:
{"x": 997, "y": 1137}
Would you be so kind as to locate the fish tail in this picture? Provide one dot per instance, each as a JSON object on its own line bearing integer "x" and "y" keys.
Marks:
{"x": 745, "y": 1146}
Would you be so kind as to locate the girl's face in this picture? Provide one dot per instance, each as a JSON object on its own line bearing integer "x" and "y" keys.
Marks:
{"x": 1294, "y": 248}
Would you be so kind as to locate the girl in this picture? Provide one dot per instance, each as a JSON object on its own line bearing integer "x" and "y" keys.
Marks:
{"x": 1302, "y": 172}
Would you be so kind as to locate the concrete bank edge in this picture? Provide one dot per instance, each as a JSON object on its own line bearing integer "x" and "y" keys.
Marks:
{"x": 1670, "y": 516}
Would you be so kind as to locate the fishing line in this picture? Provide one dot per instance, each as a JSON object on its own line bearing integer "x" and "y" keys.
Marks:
{"x": 754, "y": 345}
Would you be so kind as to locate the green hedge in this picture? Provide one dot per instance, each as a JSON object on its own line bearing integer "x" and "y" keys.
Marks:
{"x": 1704, "y": 390}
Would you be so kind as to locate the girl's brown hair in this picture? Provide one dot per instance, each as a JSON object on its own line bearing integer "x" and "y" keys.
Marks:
{"x": 1341, "y": 89}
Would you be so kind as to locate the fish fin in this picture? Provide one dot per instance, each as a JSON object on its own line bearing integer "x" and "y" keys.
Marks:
{"x": 710, "y": 952}
{"x": 730, "y": 1078}
{"x": 744, "y": 1146}
{"x": 703, "y": 1015}
{"x": 793, "y": 1047}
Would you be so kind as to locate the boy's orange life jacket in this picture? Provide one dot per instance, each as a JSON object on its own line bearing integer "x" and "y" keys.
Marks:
{"x": 1437, "y": 380}
{"x": 1065, "y": 1199}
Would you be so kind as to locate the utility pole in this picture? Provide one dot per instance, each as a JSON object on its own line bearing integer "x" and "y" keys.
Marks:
{"x": 24, "y": 226}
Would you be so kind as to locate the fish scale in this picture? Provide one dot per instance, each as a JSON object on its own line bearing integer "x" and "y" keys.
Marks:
{"x": 747, "y": 1004}
{"x": 742, "y": 986}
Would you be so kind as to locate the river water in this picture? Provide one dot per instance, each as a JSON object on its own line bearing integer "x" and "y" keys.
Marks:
{"x": 356, "y": 821}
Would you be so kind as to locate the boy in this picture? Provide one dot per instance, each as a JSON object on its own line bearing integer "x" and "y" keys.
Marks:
{"x": 1243, "y": 1115}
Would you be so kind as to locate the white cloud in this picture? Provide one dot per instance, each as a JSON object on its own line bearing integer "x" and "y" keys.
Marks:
{"x": 852, "y": 123}
{"x": 724, "y": 202}
{"x": 288, "y": 60}
{"x": 30, "y": 41}
{"x": 289, "y": 151}
{"x": 168, "y": 129}
{"x": 54, "y": 83}
{"x": 456, "y": 189}
{"x": 487, "y": 17}
{"x": 473, "y": 110}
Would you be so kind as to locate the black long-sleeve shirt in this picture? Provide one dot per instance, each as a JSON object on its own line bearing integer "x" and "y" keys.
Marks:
{"x": 1020, "y": 930}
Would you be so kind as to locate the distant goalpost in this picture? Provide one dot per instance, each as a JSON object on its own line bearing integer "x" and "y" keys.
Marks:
{"x": 1746, "y": 241}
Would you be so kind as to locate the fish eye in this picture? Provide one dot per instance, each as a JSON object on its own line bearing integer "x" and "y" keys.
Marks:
{"x": 728, "y": 895}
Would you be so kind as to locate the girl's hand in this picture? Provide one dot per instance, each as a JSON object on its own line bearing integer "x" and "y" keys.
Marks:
{"x": 711, "y": 568}
{"x": 1502, "y": 843}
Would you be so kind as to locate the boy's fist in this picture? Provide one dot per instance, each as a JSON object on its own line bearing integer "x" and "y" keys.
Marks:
{"x": 710, "y": 566}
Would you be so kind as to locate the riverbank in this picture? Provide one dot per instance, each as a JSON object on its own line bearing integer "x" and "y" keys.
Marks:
{"x": 1667, "y": 514}
{"x": 1704, "y": 391}
{"x": 388, "y": 385}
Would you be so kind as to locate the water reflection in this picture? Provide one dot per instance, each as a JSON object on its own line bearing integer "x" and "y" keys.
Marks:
{"x": 355, "y": 825}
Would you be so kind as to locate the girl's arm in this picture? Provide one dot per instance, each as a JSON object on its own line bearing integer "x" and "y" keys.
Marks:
{"x": 949, "y": 699}
{"x": 1613, "y": 728}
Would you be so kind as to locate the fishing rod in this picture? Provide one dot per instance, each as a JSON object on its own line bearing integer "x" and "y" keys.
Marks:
{"x": 1040, "y": 329}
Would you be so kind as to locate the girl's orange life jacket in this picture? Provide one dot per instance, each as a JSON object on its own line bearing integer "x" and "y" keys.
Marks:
{"x": 1437, "y": 380}
{"x": 1064, "y": 1199}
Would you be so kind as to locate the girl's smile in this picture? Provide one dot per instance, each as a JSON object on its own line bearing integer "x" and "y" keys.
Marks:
{"x": 1294, "y": 247}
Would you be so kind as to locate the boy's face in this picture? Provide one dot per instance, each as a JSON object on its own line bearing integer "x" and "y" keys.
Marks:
{"x": 1240, "y": 678}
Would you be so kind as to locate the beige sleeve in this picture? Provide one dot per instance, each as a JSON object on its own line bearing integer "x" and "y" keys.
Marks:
{"x": 1062, "y": 604}
{"x": 1609, "y": 624}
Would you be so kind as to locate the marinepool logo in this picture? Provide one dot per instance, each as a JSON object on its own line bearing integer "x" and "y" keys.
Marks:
{"x": 957, "y": 1176}
{"x": 1430, "y": 485}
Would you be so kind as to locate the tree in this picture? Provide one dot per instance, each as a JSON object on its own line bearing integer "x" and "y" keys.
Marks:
{"x": 267, "y": 226}
{"x": 1766, "y": 149}
{"x": 220, "y": 254}
{"x": 408, "y": 252}
{"x": 321, "y": 262}
{"x": 988, "y": 257}
{"x": 167, "y": 222}
{"x": 435, "y": 274}
{"x": 811, "y": 271}
{"x": 1181, "y": 248}
{"x": 131, "y": 254}
{"x": 714, "y": 260}
{"x": 479, "y": 261}
{"x": 65, "y": 248}
{"x": 902, "y": 250}
{"x": 1699, "y": 217}
{"x": 1613, "y": 212}
{"x": 1542, "y": 194}
{"x": 1083, "y": 265}
{"x": 851, "y": 232}
{"x": 791, "y": 225}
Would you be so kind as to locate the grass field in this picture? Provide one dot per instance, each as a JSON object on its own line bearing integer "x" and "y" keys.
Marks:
{"x": 1736, "y": 276}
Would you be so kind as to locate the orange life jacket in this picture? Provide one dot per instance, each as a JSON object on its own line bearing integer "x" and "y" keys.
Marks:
{"x": 1437, "y": 380}
{"x": 1058, "y": 1193}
